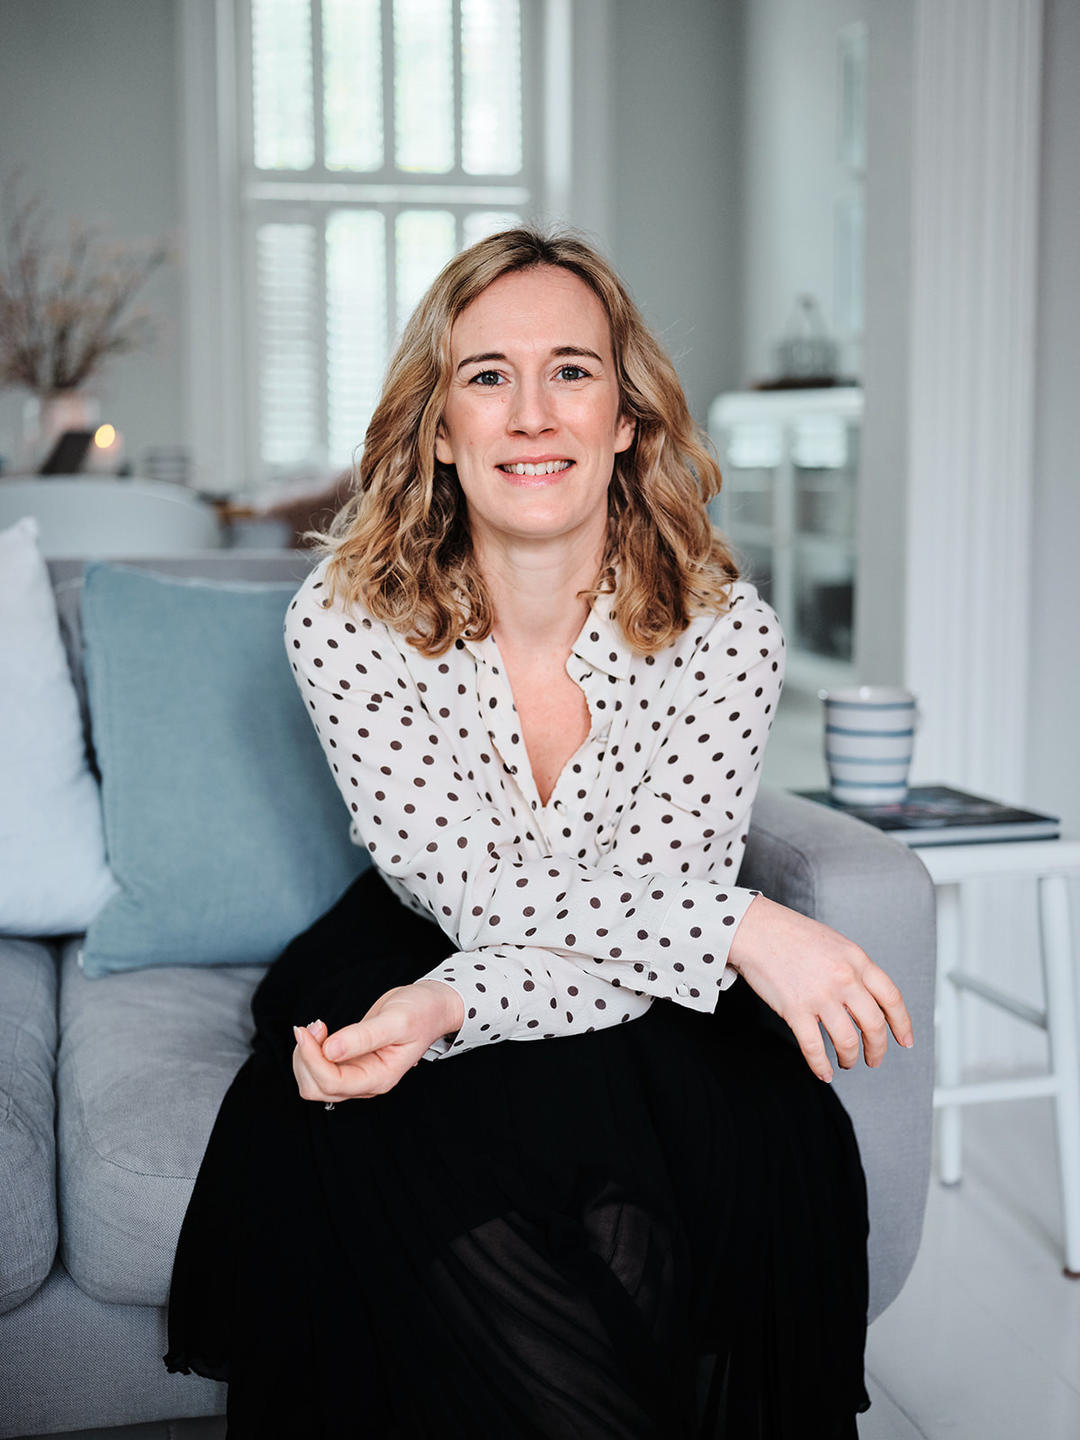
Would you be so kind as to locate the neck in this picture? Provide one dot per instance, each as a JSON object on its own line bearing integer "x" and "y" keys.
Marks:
{"x": 535, "y": 592}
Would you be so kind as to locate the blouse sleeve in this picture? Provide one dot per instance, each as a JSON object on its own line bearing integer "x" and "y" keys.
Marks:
{"x": 551, "y": 945}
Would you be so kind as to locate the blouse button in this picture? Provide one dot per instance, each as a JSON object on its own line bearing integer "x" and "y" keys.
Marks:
{"x": 682, "y": 989}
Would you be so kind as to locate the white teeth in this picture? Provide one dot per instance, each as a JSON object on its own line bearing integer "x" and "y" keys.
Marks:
{"x": 546, "y": 467}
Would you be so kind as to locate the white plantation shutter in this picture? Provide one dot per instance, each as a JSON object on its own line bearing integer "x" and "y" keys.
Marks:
{"x": 282, "y": 96}
{"x": 424, "y": 85}
{"x": 355, "y": 323}
{"x": 491, "y": 87}
{"x": 352, "y": 84}
{"x": 288, "y": 347}
{"x": 384, "y": 136}
{"x": 425, "y": 241}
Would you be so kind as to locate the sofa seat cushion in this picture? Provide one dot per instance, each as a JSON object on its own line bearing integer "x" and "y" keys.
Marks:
{"x": 27, "y": 1147}
{"x": 145, "y": 1058}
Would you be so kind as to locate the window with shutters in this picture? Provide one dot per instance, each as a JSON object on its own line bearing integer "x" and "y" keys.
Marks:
{"x": 377, "y": 138}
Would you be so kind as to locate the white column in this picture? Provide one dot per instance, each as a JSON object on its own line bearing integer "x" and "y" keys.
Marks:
{"x": 974, "y": 208}
{"x": 214, "y": 313}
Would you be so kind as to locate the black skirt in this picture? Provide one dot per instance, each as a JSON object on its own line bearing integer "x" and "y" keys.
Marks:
{"x": 654, "y": 1230}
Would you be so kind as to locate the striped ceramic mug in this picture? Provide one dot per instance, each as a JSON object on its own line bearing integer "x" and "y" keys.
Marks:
{"x": 869, "y": 737}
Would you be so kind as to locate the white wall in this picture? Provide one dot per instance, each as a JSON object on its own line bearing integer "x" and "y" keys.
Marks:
{"x": 882, "y": 517}
{"x": 791, "y": 174}
{"x": 88, "y": 108}
{"x": 675, "y": 175}
{"x": 1054, "y": 658}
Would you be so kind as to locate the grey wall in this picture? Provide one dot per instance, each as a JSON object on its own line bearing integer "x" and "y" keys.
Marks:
{"x": 89, "y": 109}
{"x": 791, "y": 173}
{"x": 882, "y": 517}
{"x": 1054, "y": 658}
{"x": 675, "y": 177}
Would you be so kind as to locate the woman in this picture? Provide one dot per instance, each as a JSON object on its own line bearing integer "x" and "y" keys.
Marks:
{"x": 544, "y": 696}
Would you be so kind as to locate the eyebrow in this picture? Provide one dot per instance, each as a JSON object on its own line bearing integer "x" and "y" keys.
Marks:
{"x": 559, "y": 351}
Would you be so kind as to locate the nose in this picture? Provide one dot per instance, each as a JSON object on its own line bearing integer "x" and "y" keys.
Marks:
{"x": 531, "y": 411}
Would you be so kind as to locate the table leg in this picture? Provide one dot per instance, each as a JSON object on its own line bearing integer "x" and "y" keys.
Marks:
{"x": 949, "y": 1039}
{"x": 1057, "y": 956}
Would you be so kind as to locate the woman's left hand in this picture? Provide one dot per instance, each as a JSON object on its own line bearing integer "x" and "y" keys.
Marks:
{"x": 370, "y": 1057}
{"x": 814, "y": 977}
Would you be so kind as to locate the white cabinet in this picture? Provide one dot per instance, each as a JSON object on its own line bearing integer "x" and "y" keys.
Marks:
{"x": 790, "y": 460}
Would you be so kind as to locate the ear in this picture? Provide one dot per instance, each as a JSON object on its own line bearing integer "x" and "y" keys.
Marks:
{"x": 625, "y": 431}
{"x": 443, "y": 451}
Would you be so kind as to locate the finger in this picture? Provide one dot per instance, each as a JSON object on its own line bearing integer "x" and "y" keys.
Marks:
{"x": 811, "y": 1044}
{"x": 352, "y": 1042}
{"x": 320, "y": 1072}
{"x": 869, "y": 1017}
{"x": 887, "y": 994}
{"x": 843, "y": 1034}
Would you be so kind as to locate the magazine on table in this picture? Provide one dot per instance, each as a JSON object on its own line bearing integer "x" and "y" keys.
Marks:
{"x": 941, "y": 815}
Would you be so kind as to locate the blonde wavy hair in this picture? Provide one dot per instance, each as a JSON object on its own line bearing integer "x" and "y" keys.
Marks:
{"x": 401, "y": 545}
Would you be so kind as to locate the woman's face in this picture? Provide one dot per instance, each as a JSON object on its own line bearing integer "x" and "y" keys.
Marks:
{"x": 532, "y": 419}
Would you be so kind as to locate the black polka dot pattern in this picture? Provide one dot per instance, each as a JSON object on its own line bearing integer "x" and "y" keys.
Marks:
{"x": 574, "y": 915}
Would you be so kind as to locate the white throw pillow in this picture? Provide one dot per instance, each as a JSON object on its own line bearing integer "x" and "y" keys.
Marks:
{"x": 53, "y": 875}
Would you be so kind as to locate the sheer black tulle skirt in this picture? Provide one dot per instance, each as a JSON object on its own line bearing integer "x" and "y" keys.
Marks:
{"x": 656, "y": 1230}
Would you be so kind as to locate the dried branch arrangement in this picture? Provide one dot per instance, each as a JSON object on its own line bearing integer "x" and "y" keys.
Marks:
{"x": 61, "y": 316}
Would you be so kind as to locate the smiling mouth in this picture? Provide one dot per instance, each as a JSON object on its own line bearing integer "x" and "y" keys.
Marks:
{"x": 544, "y": 467}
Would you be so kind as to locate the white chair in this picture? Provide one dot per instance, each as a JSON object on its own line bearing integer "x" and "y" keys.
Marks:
{"x": 102, "y": 515}
{"x": 1051, "y": 863}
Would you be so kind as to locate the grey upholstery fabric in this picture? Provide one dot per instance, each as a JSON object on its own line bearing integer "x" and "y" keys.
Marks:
{"x": 27, "y": 1147}
{"x": 145, "y": 1058}
{"x": 877, "y": 892}
{"x": 71, "y": 1363}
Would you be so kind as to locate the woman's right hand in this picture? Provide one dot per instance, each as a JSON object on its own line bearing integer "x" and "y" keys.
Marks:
{"x": 370, "y": 1057}
{"x": 810, "y": 974}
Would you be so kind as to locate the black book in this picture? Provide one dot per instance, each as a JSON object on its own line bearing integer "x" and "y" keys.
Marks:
{"x": 940, "y": 815}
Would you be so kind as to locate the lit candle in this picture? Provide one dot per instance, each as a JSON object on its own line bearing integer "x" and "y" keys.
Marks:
{"x": 106, "y": 452}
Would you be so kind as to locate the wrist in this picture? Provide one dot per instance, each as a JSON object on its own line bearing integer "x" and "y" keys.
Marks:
{"x": 453, "y": 1006}
{"x": 745, "y": 943}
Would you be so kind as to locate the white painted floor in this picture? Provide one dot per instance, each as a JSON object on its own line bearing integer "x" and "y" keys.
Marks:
{"x": 984, "y": 1340}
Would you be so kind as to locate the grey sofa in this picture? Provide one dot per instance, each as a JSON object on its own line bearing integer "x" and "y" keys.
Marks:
{"x": 98, "y": 1151}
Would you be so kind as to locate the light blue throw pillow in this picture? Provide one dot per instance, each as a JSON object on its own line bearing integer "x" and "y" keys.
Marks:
{"x": 53, "y": 877}
{"x": 223, "y": 826}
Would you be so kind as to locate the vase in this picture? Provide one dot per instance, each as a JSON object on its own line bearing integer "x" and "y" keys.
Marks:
{"x": 46, "y": 417}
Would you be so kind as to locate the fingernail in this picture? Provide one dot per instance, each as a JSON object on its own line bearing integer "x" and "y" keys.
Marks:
{"x": 909, "y": 1041}
{"x": 296, "y": 1033}
{"x": 313, "y": 1025}
{"x": 332, "y": 1050}
{"x": 828, "y": 1078}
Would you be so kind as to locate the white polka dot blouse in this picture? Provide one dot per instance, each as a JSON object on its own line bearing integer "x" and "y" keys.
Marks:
{"x": 577, "y": 914}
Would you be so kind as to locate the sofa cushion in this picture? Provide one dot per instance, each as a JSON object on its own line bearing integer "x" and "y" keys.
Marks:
{"x": 145, "y": 1058}
{"x": 223, "y": 825}
{"x": 53, "y": 876}
{"x": 27, "y": 1147}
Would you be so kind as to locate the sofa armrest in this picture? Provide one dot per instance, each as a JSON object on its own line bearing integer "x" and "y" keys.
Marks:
{"x": 27, "y": 1116}
{"x": 877, "y": 892}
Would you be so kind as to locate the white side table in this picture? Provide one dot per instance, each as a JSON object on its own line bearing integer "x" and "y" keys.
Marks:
{"x": 1049, "y": 863}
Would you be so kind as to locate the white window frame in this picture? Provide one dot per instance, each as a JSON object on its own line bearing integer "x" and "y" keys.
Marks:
{"x": 569, "y": 182}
